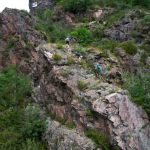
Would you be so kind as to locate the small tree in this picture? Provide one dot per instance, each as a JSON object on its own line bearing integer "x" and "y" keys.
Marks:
{"x": 76, "y": 6}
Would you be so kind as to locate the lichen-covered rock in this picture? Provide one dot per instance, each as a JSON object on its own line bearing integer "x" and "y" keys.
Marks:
{"x": 18, "y": 26}
{"x": 128, "y": 124}
{"x": 121, "y": 30}
{"x": 61, "y": 138}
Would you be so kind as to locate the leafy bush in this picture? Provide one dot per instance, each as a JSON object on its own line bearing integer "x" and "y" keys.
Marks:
{"x": 55, "y": 31}
{"x": 82, "y": 85}
{"x": 30, "y": 144}
{"x": 98, "y": 138}
{"x": 147, "y": 18}
{"x": 34, "y": 125}
{"x": 16, "y": 123}
{"x": 82, "y": 35}
{"x": 76, "y": 6}
{"x": 129, "y": 47}
{"x": 138, "y": 87}
{"x": 145, "y": 3}
{"x": 14, "y": 87}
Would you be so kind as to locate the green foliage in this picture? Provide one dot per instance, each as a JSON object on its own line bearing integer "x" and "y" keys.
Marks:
{"x": 55, "y": 31}
{"x": 61, "y": 120}
{"x": 32, "y": 145}
{"x": 99, "y": 138}
{"x": 129, "y": 47}
{"x": 82, "y": 85}
{"x": 15, "y": 89}
{"x": 65, "y": 73}
{"x": 70, "y": 60}
{"x": 76, "y": 6}
{"x": 80, "y": 49}
{"x": 34, "y": 125}
{"x": 108, "y": 45}
{"x": 10, "y": 44}
{"x": 145, "y": 3}
{"x": 82, "y": 35}
{"x": 144, "y": 57}
{"x": 147, "y": 18}
{"x": 138, "y": 87}
{"x": 57, "y": 56}
{"x": 90, "y": 113}
{"x": 85, "y": 64}
{"x": 60, "y": 46}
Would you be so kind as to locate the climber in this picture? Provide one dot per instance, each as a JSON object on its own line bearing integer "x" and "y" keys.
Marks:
{"x": 67, "y": 40}
{"x": 98, "y": 69}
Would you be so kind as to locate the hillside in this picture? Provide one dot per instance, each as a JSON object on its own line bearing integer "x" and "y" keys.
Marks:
{"x": 51, "y": 96}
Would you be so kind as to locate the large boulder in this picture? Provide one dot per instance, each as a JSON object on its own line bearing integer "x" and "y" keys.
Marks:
{"x": 128, "y": 124}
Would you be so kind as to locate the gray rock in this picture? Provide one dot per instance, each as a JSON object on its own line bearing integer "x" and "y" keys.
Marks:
{"x": 129, "y": 124}
{"x": 61, "y": 138}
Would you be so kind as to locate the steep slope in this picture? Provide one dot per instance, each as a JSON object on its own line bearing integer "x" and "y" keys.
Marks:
{"x": 66, "y": 89}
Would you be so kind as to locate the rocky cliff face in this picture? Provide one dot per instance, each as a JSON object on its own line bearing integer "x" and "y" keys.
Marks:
{"x": 35, "y": 4}
{"x": 57, "y": 88}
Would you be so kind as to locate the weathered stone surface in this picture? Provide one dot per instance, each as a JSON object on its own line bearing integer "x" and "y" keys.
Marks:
{"x": 40, "y": 4}
{"x": 56, "y": 90}
{"x": 61, "y": 138}
{"x": 121, "y": 30}
{"x": 129, "y": 124}
{"x": 18, "y": 26}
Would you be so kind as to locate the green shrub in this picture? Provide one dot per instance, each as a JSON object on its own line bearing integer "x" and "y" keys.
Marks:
{"x": 55, "y": 31}
{"x": 138, "y": 87}
{"x": 76, "y": 6}
{"x": 34, "y": 125}
{"x": 30, "y": 144}
{"x": 108, "y": 44}
{"x": 99, "y": 138}
{"x": 129, "y": 47}
{"x": 145, "y": 3}
{"x": 91, "y": 113}
{"x": 15, "y": 92}
{"x": 82, "y": 85}
{"x": 57, "y": 57}
{"x": 82, "y": 35}
{"x": 80, "y": 49}
{"x": 147, "y": 18}
{"x": 60, "y": 46}
{"x": 65, "y": 73}
{"x": 144, "y": 57}
{"x": 70, "y": 60}
{"x": 14, "y": 87}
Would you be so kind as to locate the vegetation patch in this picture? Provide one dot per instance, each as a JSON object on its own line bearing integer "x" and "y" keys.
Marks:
{"x": 99, "y": 138}
{"x": 82, "y": 85}
{"x": 20, "y": 123}
{"x": 138, "y": 87}
{"x": 82, "y": 35}
{"x": 70, "y": 60}
{"x": 57, "y": 57}
{"x": 129, "y": 47}
{"x": 76, "y": 6}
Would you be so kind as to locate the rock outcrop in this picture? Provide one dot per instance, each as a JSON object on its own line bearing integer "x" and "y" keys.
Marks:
{"x": 122, "y": 29}
{"x": 129, "y": 124}
{"x": 38, "y": 4}
{"x": 61, "y": 138}
{"x": 57, "y": 88}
